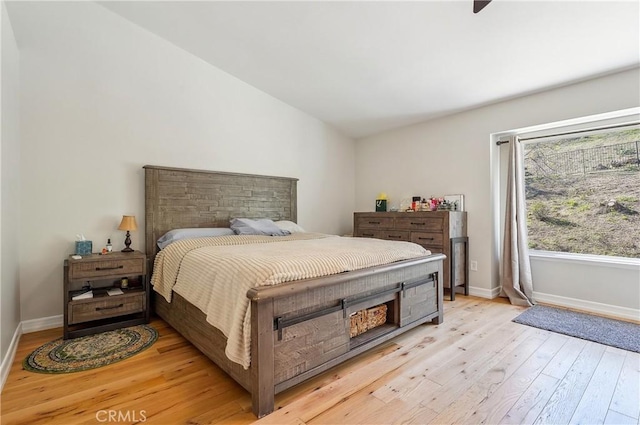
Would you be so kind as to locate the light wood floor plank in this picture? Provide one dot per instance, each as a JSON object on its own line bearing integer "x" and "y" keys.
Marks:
{"x": 447, "y": 353}
{"x": 562, "y": 362}
{"x": 476, "y": 365}
{"x": 344, "y": 412}
{"x": 400, "y": 412}
{"x": 485, "y": 385}
{"x": 501, "y": 398}
{"x": 596, "y": 399}
{"x": 484, "y": 347}
{"x": 626, "y": 398}
{"x": 457, "y": 387}
{"x": 615, "y": 418}
{"x": 418, "y": 415}
{"x": 565, "y": 399}
{"x": 532, "y": 401}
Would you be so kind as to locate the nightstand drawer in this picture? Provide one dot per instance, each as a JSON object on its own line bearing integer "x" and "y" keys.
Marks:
{"x": 426, "y": 238}
{"x": 102, "y": 268}
{"x": 105, "y": 307}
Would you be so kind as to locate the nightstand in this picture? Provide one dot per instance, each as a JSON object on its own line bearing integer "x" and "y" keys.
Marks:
{"x": 105, "y": 312}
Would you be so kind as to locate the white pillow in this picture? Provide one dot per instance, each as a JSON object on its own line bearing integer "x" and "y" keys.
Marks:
{"x": 190, "y": 233}
{"x": 290, "y": 226}
{"x": 247, "y": 226}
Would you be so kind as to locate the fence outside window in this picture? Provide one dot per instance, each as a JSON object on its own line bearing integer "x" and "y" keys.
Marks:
{"x": 622, "y": 156}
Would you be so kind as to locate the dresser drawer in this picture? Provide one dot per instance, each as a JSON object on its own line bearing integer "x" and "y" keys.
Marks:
{"x": 429, "y": 224}
{"x": 393, "y": 235}
{"x": 104, "y": 307}
{"x": 373, "y": 222}
{"x": 427, "y": 238}
{"x": 103, "y": 268}
{"x": 370, "y": 233}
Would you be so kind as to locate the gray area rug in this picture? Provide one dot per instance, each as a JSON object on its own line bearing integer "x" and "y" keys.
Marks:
{"x": 615, "y": 333}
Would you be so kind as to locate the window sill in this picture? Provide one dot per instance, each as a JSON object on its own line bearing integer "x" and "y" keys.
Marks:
{"x": 593, "y": 260}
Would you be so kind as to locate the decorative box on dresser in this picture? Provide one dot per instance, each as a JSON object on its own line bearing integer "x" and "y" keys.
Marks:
{"x": 104, "y": 312}
{"x": 438, "y": 231}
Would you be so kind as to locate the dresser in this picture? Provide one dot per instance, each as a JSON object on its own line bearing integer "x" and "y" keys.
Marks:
{"x": 438, "y": 231}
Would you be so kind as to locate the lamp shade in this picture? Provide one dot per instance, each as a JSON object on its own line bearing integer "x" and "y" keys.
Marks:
{"x": 128, "y": 223}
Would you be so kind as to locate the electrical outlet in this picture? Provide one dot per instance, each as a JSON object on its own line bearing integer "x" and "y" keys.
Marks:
{"x": 474, "y": 266}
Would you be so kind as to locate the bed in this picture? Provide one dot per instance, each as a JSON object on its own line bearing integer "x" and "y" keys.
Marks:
{"x": 297, "y": 329}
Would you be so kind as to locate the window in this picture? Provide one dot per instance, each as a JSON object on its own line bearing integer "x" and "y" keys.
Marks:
{"x": 583, "y": 191}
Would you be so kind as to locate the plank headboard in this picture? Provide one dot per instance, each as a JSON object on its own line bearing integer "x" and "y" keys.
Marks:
{"x": 180, "y": 198}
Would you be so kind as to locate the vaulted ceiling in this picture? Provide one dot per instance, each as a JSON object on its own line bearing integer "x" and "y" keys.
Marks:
{"x": 366, "y": 67}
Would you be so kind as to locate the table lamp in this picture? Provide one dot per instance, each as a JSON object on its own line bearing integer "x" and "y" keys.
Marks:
{"x": 128, "y": 223}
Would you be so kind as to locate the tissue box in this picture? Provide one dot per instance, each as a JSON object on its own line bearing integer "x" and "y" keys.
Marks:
{"x": 83, "y": 247}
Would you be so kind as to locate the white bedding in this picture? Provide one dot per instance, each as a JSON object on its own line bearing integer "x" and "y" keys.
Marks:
{"x": 215, "y": 273}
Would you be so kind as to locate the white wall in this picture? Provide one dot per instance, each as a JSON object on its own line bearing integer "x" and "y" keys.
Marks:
{"x": 10, "y": 192}
{"x": 612, "y": 289}
{"x": 454, "y": 154}
{"x": 102, "y": 97}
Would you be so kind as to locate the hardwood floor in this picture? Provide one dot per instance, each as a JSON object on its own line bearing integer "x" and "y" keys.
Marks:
{"x": 477, "y": 367}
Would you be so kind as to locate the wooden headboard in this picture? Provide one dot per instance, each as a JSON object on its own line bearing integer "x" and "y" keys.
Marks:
{"x": 180, "y": 198}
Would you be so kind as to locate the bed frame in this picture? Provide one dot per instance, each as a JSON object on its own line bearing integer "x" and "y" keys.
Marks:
{"x": 299, "y": 329}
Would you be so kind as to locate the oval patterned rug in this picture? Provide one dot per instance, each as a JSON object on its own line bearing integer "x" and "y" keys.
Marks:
{"x": 90, "y": 352}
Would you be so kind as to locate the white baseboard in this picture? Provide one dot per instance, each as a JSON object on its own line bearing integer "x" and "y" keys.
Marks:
{"x": 41, "y": 324}
{"x": 484, "y": 293}
{"x": 7, "y": 361}
{"x": 25, "y": 327}
{"x": 590, "y": 306}
{"x": 575, "y": 303}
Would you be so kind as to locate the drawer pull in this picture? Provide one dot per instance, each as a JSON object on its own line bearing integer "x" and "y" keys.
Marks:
{"x": 110, "y": 308}
{"x": 110, "y": 268}
{"x": 418, "y": 224}
{"x": 425, "y": 239}
{"x": 394, "y": 236}
{"x": 374, "y": 222}
{"x": 370, "y": 235}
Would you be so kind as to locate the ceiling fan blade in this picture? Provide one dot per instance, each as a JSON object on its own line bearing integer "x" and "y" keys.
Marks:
{"x": 478, "y": 5}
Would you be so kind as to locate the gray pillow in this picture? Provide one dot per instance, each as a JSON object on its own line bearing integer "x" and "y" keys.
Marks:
{"x": 190, "y": 233}
{"x": 247, "y": 226}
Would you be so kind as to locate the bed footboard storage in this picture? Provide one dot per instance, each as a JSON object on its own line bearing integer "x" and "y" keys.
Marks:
{"x": 418, "y": 299}
{"x": 310, "y": 326}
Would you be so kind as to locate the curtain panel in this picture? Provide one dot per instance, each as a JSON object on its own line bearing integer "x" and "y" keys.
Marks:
{"x": 516, "y": 282}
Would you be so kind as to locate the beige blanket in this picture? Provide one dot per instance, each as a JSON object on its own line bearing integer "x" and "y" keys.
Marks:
{"x": 215, "y": 273}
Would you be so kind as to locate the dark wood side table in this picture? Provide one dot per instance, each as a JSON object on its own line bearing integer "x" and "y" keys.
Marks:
{"x": 105, "y": 312}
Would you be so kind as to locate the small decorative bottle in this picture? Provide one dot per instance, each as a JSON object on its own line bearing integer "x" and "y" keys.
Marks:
{"x": 109, "y": 247}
